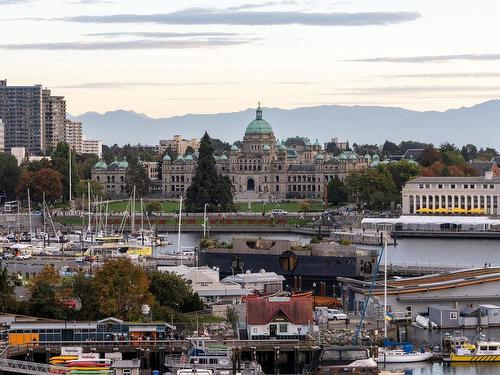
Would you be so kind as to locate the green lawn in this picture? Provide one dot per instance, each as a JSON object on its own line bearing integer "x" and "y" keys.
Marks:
{"x": 287, "y": 206}
{"x": 173, "y": 206}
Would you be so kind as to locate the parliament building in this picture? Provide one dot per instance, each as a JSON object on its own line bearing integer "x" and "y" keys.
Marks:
{"x": 264, "y": 169}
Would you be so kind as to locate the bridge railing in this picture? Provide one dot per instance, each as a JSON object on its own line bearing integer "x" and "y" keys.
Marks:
{"x": 29, "y": 368}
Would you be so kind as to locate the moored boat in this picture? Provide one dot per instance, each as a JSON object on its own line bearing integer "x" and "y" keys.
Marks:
{"x": 482, "y": 351}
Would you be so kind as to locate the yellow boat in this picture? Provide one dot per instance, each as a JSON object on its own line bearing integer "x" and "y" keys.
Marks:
{"x": 119, "y": 249}
{"x": 483, "y": 351}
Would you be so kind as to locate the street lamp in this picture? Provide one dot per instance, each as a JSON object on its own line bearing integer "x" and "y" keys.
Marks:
{"x": 314, "y": 294}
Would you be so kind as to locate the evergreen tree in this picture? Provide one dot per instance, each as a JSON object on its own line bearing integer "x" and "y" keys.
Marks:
{"x": 9, "y": 175}
{"x": 208, "y": 186}
{"x": 337, "y": 191}
{"x": 137, "y": 176}
{"x": 60, "y": 162}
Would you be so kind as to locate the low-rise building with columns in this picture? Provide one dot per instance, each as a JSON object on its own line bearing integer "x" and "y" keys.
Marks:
{"x": 454, "y": 195}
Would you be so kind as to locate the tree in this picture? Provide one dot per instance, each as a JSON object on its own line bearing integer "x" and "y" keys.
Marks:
{"x": 169, "y": 289}
{"x": 406, "y": 145}
{"x": 120, "y": 289}
{"x": 84, "y": 166}
{"x": 60, "y": 163}
{"x": 47, "y": 295}
{"x": 365, "y": 149}
{"x": 372, "y": 188}
{"x": 189, "y": 151}
{"x": 208, "y": 186}
{"x": 337, "y": 192}
{"x": 390, "y": 148}
{"x": 305, "y": 206}
{"x": 332, "y": 148}
{"x": 137, "y": 176}
{"x": 469, "y": 152}
{"x": 9, "y": 175}
{"x": 231, "y": 317}
{"x": 95, "y": 187}
{"x": 45, "y": 180}
{"x": 402, "y": 171}
{"x": 429, "y": 156}
{"x": 153, "y": 206}
{"x": 83, "y": 290}
{"x": 6, "y": 288}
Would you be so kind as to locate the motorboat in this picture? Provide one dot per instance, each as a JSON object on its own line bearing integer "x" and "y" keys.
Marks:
{"x": 342, "y": 359}
{"x": 203, "y": 354}
{"x": 482, "y": 351}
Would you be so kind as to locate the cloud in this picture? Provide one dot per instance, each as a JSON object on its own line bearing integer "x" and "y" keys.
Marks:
{"x": 261, "y": 5}
{"x": 387, "y": 90}
{"x": 446, "y": 75}
{"x": 10, "y": 2}
{"x": 206, "y": 16}
{"x": 159, "y": 34}
{"x": 433, "y": 58}
{"x": 127, "y": 45}
{"x": 125, "y": 85}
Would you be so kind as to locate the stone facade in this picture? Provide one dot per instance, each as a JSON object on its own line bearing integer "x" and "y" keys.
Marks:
{"x": 111, "y": 177}
{"x": 266, "y": 169}
{"x": 456, "y": 195}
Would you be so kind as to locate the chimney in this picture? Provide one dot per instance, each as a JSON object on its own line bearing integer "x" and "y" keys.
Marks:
{"x": 488, "y": 175}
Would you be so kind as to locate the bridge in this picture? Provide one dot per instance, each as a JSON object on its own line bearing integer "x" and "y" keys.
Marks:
{"x": 29, "y": 368}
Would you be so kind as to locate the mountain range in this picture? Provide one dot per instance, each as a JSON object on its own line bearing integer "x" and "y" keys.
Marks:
{"x": 479, "y": 125}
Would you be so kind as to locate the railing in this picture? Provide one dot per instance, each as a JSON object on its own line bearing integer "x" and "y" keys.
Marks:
{"x": 29, "y": 368}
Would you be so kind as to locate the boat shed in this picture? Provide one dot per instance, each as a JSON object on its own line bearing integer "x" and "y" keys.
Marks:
{"x": 457, "y": 289}
{"x": 444, "y": 316}
{"x": 279, "y": 317}
{"x": 489, "y": 315}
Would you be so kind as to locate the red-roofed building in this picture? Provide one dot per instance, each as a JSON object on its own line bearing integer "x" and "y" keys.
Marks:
{"x": 279, "y": 317}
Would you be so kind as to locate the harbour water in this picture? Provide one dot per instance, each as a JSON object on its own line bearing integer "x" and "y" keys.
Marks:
{"x": 453, "y": 252}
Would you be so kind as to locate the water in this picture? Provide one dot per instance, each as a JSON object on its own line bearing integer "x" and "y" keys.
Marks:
{"x": 440, "y": 368}
{"x": 453, "y": 252}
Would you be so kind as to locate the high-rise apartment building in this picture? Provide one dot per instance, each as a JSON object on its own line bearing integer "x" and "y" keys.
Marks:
{"x": 21, "y": 110}
{"x": 90, "y": 146}
{"x": 33, "y": 118}
{"x": 2, "y": 136}
{"x": 73, "y": 135}
{"x": 54, "y": 116}
{"x": 179, "y": 145}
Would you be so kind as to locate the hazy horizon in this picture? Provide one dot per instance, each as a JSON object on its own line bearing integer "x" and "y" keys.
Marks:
{"x": 171, "y": 58}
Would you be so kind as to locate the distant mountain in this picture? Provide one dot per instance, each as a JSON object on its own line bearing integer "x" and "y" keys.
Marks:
{"x": 479, "y": 124}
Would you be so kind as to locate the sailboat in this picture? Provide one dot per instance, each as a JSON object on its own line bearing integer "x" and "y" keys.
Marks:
{"x": 389, "y": 353}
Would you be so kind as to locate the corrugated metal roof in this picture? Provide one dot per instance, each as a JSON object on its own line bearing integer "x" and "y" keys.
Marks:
{"x": 261, "y": 310}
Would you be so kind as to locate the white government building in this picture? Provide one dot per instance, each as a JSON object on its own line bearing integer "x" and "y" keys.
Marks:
{"x": 452, "y": 195}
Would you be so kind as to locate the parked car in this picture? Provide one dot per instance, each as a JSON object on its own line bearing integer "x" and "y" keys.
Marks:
{"x": 277, "y": 212}
{"x": 23, "y": 256}
{"x": 334, "y": 314}
{"x": 79, "y": 259}
{"x": 7, "y": 256}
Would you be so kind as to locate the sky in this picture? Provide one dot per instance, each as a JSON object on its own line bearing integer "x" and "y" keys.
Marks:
{"x": 167, "y": 58}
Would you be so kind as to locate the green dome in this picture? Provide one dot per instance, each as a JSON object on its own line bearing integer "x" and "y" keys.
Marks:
{"x": 188, "y": 157}
{"x": 179, "y": 158}
{"x": 320, "y": 157}
{"x": 266, "y": 148}
{"x": 375, "y": 157}
{"x": 367, "y": 156}
{"x": 343, "y": 156}
{"x": 123, "y": 164}
{"x": 101, "y": 165}
{"x": 259, "y": 125}
{"x": 166, "y": 158}
{"x": 282, "y": 147}
{"x": 234, "y": 148}
{"x": 223, "y": 157}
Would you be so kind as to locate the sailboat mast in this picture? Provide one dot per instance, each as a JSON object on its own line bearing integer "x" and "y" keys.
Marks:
{"x": 69, "y": 158}
{"x": 385, "y": 289}
{"x": 29, "y": 211}
{"x": 44, "y": 219}
{"x": 179, "y": 231}
{"x": 133, "y": 212}
{"x": 88, "y": 197}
